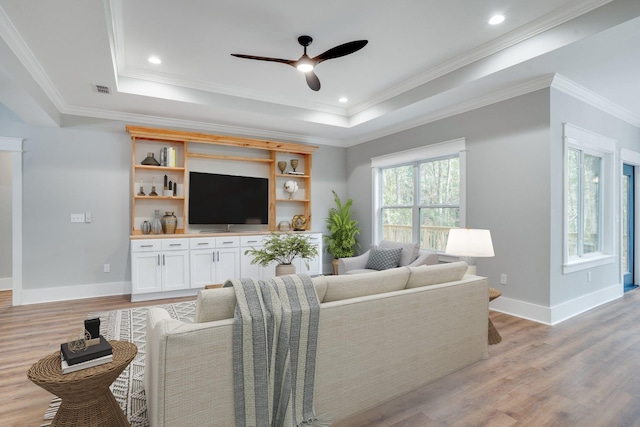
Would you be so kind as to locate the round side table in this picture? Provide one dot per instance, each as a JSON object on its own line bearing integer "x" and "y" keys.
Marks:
{"x": 494, "y": 335}
{"x": 85, "y": 394}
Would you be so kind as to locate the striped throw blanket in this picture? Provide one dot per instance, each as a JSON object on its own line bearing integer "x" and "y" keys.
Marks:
{"x": 274, "y": 351}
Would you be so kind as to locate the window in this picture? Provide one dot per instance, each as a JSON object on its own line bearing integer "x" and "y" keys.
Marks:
{"x": 420, "y": 199}
{"x": 589, "y": 199}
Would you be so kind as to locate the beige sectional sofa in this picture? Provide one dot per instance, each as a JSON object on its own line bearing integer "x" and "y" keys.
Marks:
{"x": 381, "y": 335}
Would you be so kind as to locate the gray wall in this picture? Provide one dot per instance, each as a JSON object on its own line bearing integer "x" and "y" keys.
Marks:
{"x": 564, "y": 108}
{"x": 5, "y": 216}
{"x": 507, "y": 185}
{"x": 86, "y": 167}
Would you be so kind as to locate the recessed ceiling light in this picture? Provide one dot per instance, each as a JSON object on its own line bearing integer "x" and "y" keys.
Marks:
{"x": 155, "y": 60}
{"x": 496, "y": 19}
{"x": 343, "y": 99}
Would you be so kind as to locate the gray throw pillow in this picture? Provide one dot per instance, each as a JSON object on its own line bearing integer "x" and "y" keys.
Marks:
{"x": 383, "y": 259}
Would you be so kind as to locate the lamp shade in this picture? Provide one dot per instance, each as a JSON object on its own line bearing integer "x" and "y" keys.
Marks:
{"x": 468, "y": 242}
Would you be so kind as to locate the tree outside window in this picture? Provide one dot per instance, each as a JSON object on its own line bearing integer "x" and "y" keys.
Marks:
{"x": 421, "y": 201}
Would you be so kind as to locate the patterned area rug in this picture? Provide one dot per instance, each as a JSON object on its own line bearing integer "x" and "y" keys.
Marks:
{"x": 130, "y": 325}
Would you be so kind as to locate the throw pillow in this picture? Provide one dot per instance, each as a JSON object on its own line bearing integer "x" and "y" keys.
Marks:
{"x": 409, "y": 250}
{"x": 383, "y": 259}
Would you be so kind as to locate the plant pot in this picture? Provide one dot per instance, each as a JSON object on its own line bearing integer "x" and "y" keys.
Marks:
{"x": 284, "y": 269}
{"x": 334, "y": 266}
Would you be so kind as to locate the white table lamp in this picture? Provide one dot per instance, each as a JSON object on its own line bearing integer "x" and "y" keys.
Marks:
{"x": 468, "y": 244}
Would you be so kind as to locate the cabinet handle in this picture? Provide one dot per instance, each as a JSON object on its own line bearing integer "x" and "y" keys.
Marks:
{"x": 146, "y": 246}
{"x": 158, "y": 259}
{"x": 227, "y": 243}
{"x": 175, "y": 244}
{"x": 213, "y": 256}
{"x": 218, "y": 256}
{"x": 163, "y": 263}
{"x": 252, "y": 241}
{"x": 202, "y": 243}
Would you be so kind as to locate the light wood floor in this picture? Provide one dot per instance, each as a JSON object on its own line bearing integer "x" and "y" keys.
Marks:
{"x": 583, "y": 372}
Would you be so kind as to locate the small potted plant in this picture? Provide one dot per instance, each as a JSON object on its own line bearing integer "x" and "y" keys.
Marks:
{"x": 283, "y": 248}
{"x": 341, "y": 241}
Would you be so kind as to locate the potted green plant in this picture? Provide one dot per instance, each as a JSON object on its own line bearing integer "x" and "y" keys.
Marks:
{"x": 341, "y": 241}
{"x": 283, "y": 248}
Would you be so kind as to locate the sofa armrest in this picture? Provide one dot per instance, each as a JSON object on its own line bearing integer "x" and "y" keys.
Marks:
{"x": 154, "y": 315}
{"x": 425, "y": 258}
{"x": 352, "y": 263}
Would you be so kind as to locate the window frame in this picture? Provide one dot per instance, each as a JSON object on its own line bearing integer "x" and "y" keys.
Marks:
{"x": 590, "y": 143}
{"x": 433, "y": 152}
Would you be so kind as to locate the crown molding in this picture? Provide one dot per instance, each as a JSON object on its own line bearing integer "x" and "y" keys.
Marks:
{"x": 523, "y": 88}
{"x": 19, "y": 47}
{"x": 587, "y": 96}
{"x": 198, "y": 125}
{"x": 538, "y": 26}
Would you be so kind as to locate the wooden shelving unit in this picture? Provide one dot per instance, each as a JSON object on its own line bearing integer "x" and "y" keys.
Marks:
{"x": 145, "y": 140}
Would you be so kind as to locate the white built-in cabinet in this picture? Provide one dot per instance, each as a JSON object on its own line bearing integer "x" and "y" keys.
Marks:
{"x": 160, "y": 265}
{"x": 214, "y": 260}
{"x": 174, "y": 267}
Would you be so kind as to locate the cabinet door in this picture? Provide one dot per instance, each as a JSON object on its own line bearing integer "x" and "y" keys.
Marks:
{"x": 145, "y": 272}
{"x": 175, "y": 270}
{"x": 202, "y": 267}
{"x": 315, "y": 264}
{"x": 227, "y": 264}
{"x": 254, "y": 270}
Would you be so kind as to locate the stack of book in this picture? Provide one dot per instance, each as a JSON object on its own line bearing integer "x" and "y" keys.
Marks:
{"x": 94, "y": 355}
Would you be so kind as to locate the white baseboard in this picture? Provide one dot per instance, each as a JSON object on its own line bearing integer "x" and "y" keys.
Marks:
{"x": 558, "y": 313}
{"x": 522, "y": 309}
{"x": 6, "y": 284}
{"x": 65, "y": 293}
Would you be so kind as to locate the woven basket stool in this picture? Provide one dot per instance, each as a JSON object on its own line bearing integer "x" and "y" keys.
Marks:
{"x": 494, "y": 335}
{"x": 86, "y": 398}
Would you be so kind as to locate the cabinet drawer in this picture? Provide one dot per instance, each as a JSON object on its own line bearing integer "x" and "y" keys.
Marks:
{"x": 202, "y": 243}
{"x": 228, "y": 242}
{"x": 145, "y": 245}
{"x": 175, "y": 244}
{"x": 251, "y": 240}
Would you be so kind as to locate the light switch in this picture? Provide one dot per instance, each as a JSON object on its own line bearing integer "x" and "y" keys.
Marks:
{"x": 77, "y": 217}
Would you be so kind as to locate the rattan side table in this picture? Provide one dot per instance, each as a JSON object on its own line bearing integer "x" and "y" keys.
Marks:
{"x": 86, "y": 398}
{"x": 494, "y": 335}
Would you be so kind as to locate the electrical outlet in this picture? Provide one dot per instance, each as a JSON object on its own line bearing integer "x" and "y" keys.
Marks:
{"x": 107, "y": 268}
{"x": 588, "y": 276}
{"x": 77, "y": 217}
{"x": 503, "y": 279}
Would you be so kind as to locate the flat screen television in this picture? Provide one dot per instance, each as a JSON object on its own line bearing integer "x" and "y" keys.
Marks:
{"x": 227, "y": 199}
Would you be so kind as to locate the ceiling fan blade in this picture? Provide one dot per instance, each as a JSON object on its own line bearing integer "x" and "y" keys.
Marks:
{"x": 312, "y": 80}
{"x": 264, "y": 58}
{"x": 342, "y": 50}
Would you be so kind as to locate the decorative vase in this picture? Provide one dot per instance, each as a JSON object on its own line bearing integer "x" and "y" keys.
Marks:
{"x": 150, "y": 160}
{"x": 294, "y": 164}
{"x": 284, "y": 269}
{"x": 282, "y": 166}
{"x": 145, "y": 227}
{"x": 156, "y": 224}
{"x": 169, "y": 223}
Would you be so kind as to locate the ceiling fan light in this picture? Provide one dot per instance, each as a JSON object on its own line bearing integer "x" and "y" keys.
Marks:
{"x": 305, "y": 66}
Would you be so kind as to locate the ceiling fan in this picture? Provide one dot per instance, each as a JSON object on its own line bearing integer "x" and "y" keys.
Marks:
{"x": 306, "y": 64}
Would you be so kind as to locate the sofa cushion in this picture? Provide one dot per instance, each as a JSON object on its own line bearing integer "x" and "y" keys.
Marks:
{"x": 383, "y": 259}
{"x": 426, "y": 275}
{"x": 215, "y": 304}
{"x": 358, "y": 285}
{"x": 220, "y": 303}
{"x": 409, "y": 250}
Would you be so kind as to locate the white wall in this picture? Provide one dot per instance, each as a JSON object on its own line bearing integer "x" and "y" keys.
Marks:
{"x": 507, "y": 185}
{"x": 86, "y": 167}
{"x": 5, "y": 221}
{"x": 564, "y": 108}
